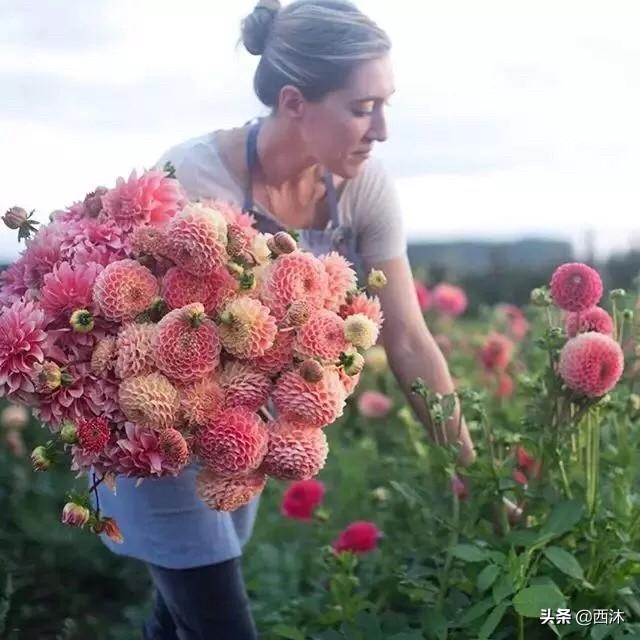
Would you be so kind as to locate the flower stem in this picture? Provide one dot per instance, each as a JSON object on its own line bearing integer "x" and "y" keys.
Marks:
{"x": 444, "y": 584}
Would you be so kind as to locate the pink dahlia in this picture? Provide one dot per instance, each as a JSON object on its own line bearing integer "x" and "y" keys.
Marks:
{"x": 124, "y": 289}
{"x": 197, "y": 239}
{"x": 173, "y": 448}
{"x": 295, "y": 452}
{"x": 234, "y": 444}
{"x": 149, "y": 401}
{"x": 202, "y": 402}
{"x": 368, "y": 306}
{"x": 22, "y": 339}
{"x": 247, "y": 329}
{"x": 138, "y": 454}
{"x": 496, "y": 352}
{"x": 12, "y": 284}
{"x": 341, "y": 279}
{"x": 228, "y": 494}
{"x": 576, "y": 286}
{"x": 134, "y": 350}
{"x": 279, "y": 355}
{"x": 373, "y": 404}
{"x": 514, "y": 319}
{"x": 301, "y": 499}
{"x": 93, "y": 240}
{"x": 322, "y": 336}
{"x": 592, "y": 319}
{"x": 591, "y": 364}
{"x": 294, "y": 276}
{"x": 103, "y": 358}
{"x": 244, "y": 386}
{"x": 449, "y": 299}
{"x": 423, "y": 295}
{"x": 68, "y": 288}
{"x": 358, "y": 537}
{"x": 233, "y": 215}
{"x": 151, "y": 241}
{"x": 504, "y": 386}
{"x": 180, "y": 288}
{"x": 150, "y": 199}
{"x": 186, "y": 344}
{"x": 316, "y": 404}
{"x": 43, "y": 252}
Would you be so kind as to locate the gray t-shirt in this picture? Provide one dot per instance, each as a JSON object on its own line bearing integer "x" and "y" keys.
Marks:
{"x": 368, "y": 203}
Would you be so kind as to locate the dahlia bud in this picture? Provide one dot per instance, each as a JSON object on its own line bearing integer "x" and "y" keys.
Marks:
{"x": 14, "y": 416}
{"x": 361, "y": 331}
{"x": 82, "y": 321}
{"x": 353, "y": 364}
{"x": 627, "y": 314}
{"x": 109, "y": 527}
{"x": 49, "y": 377}
{"x": 311, "y": 370}
{"x": 93, "y": 202}
{"x": 195, "y": 317}
{"x": 75, "y": 515}
{"x": 40, "y": 458}
{"x": 540, "y": 297}
{"x": 376, "y": 359}
{"x": 616, "y": 294}
{"x": 380, "y": 495}
{"x": 282, "y": 242}
{"x": 69, "y": 433}
{"x": 376, "y": 279}
{"x": 18, "y": 218}
{"x": 247, "y": 281}
{"x": 297, "y": 313}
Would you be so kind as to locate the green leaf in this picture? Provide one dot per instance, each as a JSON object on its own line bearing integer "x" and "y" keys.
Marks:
{"x": 469, "y": 553}
{"x": 434, "y": 625}
{"x": 502, "y": 588}
{"x": 285, "y": 631}
{"x": 475, "y": 611}
{"x": 407, "y": 635}
{"x": 601, "y": 631}
{"x": 487, "y": 577}
{"x": 492, "y": 621}
{"x": 530, "y": 601}
{"x": 564, "y": 517}
{"x": 564, "y": 561}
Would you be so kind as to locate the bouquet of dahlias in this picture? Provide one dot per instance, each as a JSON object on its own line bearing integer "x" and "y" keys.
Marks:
{"x": 148, "y": 332}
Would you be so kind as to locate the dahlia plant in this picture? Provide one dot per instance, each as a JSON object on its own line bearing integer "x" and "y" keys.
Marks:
{"x": 148, "y": 332}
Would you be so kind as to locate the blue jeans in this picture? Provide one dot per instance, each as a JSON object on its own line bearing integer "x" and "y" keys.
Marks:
{"x": 200, "y": 603}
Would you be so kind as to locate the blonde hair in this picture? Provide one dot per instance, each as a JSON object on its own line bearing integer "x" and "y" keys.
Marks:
{"x": 310, "y": 44}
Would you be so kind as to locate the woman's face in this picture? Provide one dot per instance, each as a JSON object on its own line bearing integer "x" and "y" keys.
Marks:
{"x": 340, "y": 130}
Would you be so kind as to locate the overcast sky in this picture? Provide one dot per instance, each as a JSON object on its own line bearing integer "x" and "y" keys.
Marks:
{"x": 511, "y": 119}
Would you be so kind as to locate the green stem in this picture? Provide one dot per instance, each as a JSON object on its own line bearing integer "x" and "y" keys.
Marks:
{"x": 563, "y": 474}
{"x": 453, "y": 541}
{"x": 520, "y": 627}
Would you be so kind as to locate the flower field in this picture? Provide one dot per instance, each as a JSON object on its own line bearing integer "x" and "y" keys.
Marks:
{"x": 391, "y": 540}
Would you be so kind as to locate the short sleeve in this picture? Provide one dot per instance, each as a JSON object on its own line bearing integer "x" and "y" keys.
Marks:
{"x": 376, "y": 214}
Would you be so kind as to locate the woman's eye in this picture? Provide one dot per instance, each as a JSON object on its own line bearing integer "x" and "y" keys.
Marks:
{"x": 364, "y": 108}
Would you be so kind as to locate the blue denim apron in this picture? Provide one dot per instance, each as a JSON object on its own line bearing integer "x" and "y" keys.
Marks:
{"x": 162, "y": 520}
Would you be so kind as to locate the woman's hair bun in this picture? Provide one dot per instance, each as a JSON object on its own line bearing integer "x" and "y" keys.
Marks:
{"x": 256, "y": 26}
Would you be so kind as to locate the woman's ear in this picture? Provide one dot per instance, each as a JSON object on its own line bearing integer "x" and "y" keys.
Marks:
{"x": 291, "y": 102}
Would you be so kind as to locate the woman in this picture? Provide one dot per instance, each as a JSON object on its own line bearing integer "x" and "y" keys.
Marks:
{"x": 325, "y": 74}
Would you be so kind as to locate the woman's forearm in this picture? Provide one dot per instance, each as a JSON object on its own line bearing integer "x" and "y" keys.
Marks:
{"x": 421, "y": 357}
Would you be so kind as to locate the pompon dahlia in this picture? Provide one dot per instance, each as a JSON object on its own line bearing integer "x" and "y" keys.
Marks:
{"x": 93, "y": 434}
{"x": 247, "y": 329}
{"x": 322, "y": 336}
{"x": 575, "y": 286}
{"x": 228, "y": 494}
{"x": 591, "y": 364}
{"x": 197, "y": 239}
{"x": 149, "y": 240}
{"x": 180, "y": 288}
{"x": 234, "y": 444}
{"x": 124, "y": 289}
{"x": 496, "y": 352}
{"x": 67, "y": 288}
{"x": 361, "y": 303}
{"x": 316, "y": 404}
{"x": 278, "y": 356}
{"x": 138, "y": 454}
{"x": 202, "y": 402}
{"x": 359, "y": 537}
{"x": 294, "y": 276}
{"x": 173, "y": 448}
{"x": 449, "y": 299}
{"x": 153, "y": 199}
{"x": 186, "y": 344}
{"x": 149, "y": 401}
{"x": 22, "y": 339}
{"x": 103, "y": 358}
{"x": 134, "y": 350}
{"x": 593, "y": 319}
{"x": 301, "y": 499}
{"x": 341, "y": 279}
{"x": 360, "y": 330}
{"x": 295, "y": 452}
{"x": 244, "y": 386}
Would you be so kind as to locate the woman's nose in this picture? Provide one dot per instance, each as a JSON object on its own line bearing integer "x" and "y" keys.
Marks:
{"x": 378, "y": 129}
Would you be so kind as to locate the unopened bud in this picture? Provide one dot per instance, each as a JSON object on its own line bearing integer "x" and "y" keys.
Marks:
{"x": 540, "y": 297}
{"x": 82, "y": 321}
{"x": 616, "y": 294}
{"x": 49, "y": 377}
{"x": 75, "y": 515}
{"x": 380, "y": 495}
{"x": 247, "y": 281}
{"x": 627, "y": 314}
{"x": 376, "y": 279}
{"x": 353, "y": 364}
{"x": 15, "y": 217}
{"x": 69, "y": 433}
{"x": 40, "y": 458}
{"x": 311, "y": 370}
{"x": 282, "y": 242}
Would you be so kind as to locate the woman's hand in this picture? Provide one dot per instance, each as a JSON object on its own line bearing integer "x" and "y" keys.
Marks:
{"x": 413, "y": 353}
